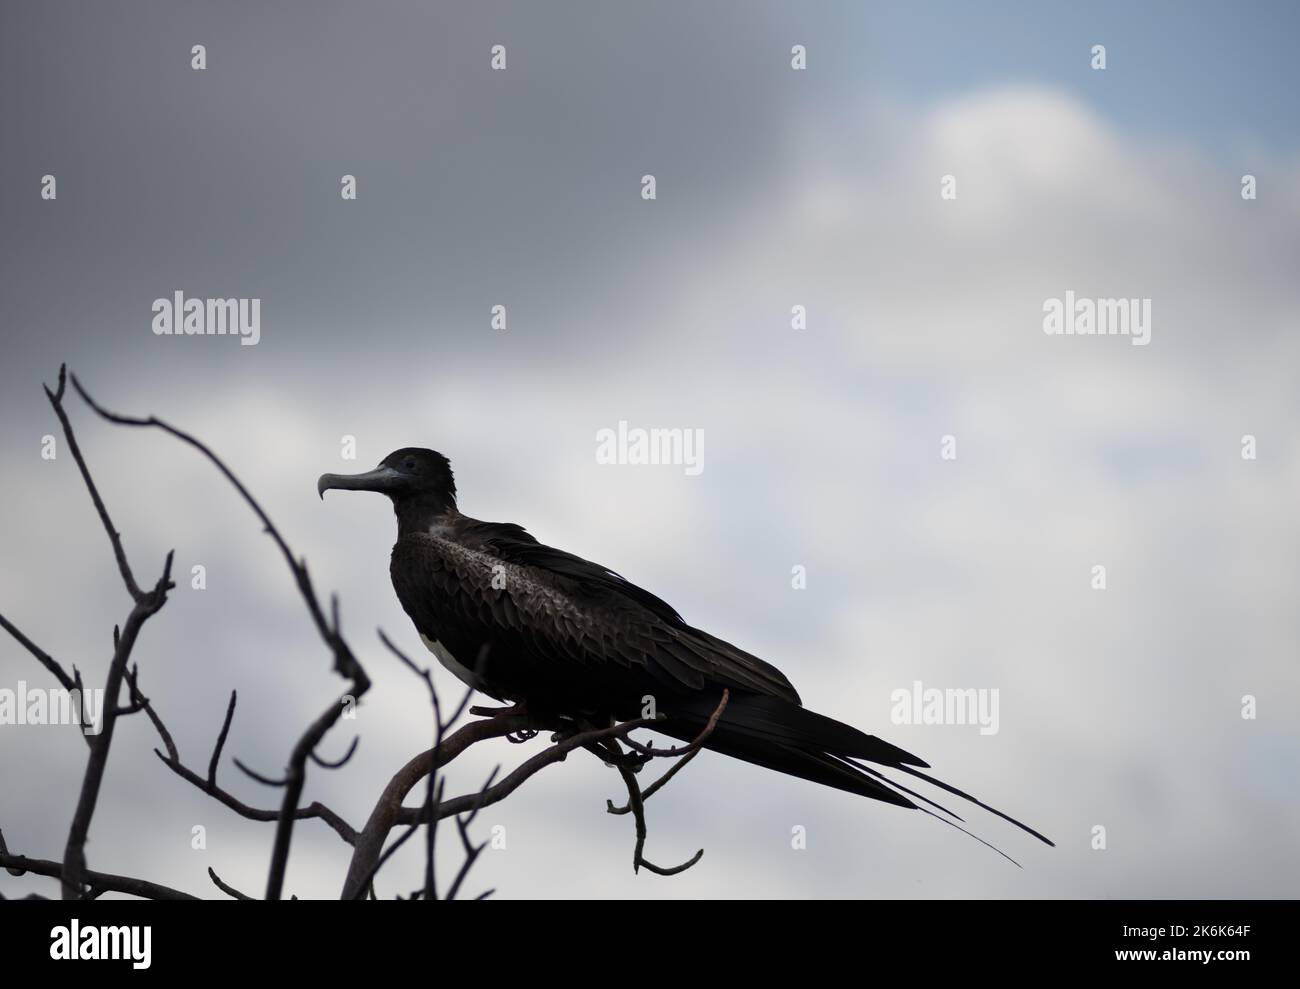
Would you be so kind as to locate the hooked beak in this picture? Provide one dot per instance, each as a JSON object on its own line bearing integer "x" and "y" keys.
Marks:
{"x": 385, "y": 480}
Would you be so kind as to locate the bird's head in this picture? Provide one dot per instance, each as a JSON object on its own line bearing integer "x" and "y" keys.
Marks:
{"x": 409, "y": 476}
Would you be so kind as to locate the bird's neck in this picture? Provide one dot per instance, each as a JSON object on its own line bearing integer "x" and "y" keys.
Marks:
{"x": 419, "y": 513}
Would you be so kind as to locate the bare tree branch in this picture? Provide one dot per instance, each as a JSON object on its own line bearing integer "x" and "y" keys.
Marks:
{"x": 172, "y": 761}
{"x": 226, "y": 888}
{"x": 369, "y": 854}
{"x": 74, "y": 858}
{"x": 688, "y": 753}
{"x": 370, "y": 841}
{"x": 638, "y": 812}
{"x": 342, "y": 760}
{"x": 695, "y": 745}
{"x": 221, "y": 742}
{"x": 42, "y": 657}
{"x": 146, "y": 604}
{"x": 144, "y": 704}
{"x": 471, "y": 850}
{"x": 345, "y": 663}
{"x": 114, "y": 537}
{"x": 311, "y": 811}
{"x": 96, "y": 882}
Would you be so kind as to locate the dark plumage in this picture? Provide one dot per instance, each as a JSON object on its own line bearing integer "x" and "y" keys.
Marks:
{"x": 525, "y": 622}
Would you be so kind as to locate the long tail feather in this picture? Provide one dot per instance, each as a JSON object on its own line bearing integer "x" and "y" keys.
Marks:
{"x": 780, "y": 735}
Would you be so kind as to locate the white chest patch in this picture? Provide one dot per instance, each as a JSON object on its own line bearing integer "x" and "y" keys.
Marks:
{"x": 462, "y": 673}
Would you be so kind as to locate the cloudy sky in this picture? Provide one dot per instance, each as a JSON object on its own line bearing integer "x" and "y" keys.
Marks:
{"x": 1119, "y": 709}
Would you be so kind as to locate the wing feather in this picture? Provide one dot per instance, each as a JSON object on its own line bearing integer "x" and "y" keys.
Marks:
{"x": 563, "y": 617}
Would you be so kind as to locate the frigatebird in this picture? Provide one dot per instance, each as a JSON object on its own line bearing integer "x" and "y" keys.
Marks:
{"x": 558, "y": 635}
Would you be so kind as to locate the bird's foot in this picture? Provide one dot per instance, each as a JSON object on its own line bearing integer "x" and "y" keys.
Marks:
{"x": 565, "y": 733}
{"x": 513, "y": 711}
{"x": 614, "y": 757}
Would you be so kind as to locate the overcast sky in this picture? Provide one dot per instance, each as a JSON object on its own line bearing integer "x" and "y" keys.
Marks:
{"x": 1118, "y": 708}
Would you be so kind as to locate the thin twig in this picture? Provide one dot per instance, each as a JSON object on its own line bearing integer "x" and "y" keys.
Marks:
{"x": 258, "y": 777}
{"x": 221, "y": 742}
{"x": 42, "y": 657}
{"x": 346, "y": 663}
{"x": 688, "y": 753}
{"x": 225, "y": 887}
{"x": 341, "y": 762}
{"x": 114, "y": 537}
{"x": 312, "y": 811}
{"x": 95, "y": 882}
{"x": 74, "y": 858}
{"x": 654, "y": 787}
{"x": 471, "y": 850}
{"x": 700, "y": 739}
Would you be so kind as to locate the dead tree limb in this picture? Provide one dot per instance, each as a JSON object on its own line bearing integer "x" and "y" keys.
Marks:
{"x": 345, "y": 662}
{"x": 145, "y": 605}
{"x": 95, "y": 882}
{"x": 687, "y": 754}
{"x": 369, "y": 853}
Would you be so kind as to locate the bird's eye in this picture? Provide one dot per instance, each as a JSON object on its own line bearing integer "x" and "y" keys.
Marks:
{"x": 409, "y": 465}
